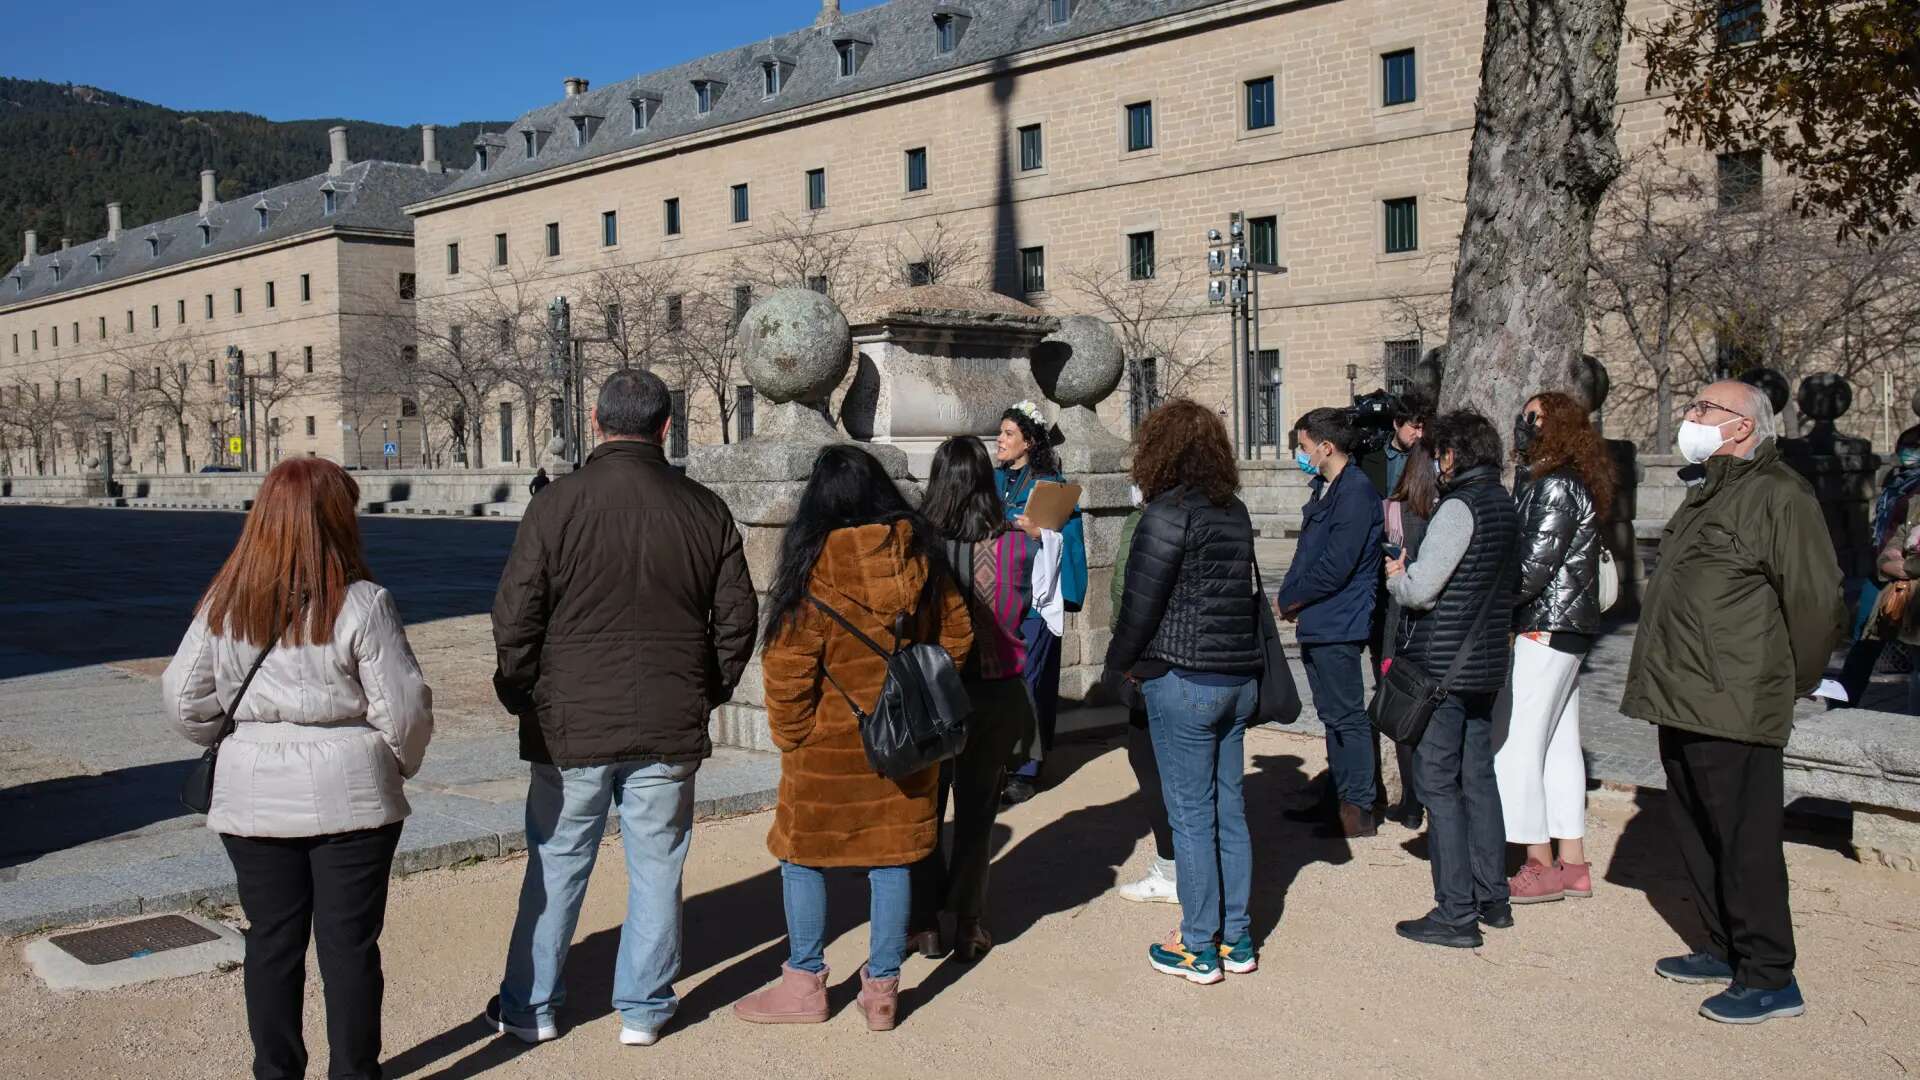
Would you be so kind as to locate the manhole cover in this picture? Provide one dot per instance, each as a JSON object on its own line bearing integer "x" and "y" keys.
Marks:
{"x": 141, "y": 937}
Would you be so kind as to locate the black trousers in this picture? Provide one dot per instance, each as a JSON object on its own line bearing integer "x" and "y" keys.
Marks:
{"x": 334, "y": 890}
{"x": 1146, "y": 771}
{"x": 1466, "y": 832}
{"x": 1727, "y": 799}
{"x": 954, "y": 877}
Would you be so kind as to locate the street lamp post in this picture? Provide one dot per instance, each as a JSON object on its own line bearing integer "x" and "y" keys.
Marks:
{"x": 1234, "y": 279}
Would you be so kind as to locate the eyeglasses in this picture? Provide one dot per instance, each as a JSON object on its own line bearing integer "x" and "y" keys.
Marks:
{"x": 1698, "y": 410}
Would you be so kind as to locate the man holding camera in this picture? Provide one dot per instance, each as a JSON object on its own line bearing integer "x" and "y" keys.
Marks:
{"x": 1407, "y": 417}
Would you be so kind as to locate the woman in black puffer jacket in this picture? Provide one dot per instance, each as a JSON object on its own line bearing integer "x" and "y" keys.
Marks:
{"x": 1187, "y": 632}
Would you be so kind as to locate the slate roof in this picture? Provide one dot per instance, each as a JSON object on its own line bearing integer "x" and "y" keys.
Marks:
{"x": 902, "y": 45}
{"x": 368, "y": 195}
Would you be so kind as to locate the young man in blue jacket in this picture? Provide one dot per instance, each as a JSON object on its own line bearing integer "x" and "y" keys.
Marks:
{"x": 1330, "y": 592}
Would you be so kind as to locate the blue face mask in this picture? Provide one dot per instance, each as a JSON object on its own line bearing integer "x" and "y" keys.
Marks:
{"x": 1306, "y": 464}
{"x": 1909, "y": 458}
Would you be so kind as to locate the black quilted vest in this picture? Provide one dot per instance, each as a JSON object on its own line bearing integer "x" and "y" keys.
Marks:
{"x": 1435, "y": 637}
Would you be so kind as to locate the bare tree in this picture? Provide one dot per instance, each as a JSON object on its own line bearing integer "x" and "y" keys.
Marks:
{"x": 790, "y": 253}
{"x": 164, "y": 373}
{"x": 454, "y": 366}
{"x": 1163, "y": 318}
{"x": 1543, "y": 155}
{"x": 37, "y": 415}
{"x": 935, "y": 254}
{"x": 703, "y": 356}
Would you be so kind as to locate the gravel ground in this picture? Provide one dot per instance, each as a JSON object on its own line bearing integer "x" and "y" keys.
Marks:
{"x": 1568, "y": 992}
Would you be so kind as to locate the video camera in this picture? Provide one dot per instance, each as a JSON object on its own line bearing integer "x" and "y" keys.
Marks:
{"x": 1372, "y": 418}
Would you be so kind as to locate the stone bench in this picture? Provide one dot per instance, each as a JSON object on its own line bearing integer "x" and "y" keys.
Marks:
{"x": 1870, "y": 761}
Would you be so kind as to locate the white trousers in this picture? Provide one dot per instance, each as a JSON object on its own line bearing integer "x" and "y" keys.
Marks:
{"x": 1536, "y": 758}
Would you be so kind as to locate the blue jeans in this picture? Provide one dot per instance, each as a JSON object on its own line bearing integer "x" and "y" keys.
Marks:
{"x": 803, "y": 889}
{"x": 1466, "y": 831}
{"x": 566, "y": 817}
{"x": 1042, "y": 674}
{"x": 1339, "y": 696}
{"x": 1199, "y": 733}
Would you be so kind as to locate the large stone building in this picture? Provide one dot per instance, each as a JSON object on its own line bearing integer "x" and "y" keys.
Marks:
{"x": 1073, "y": 153}
{"x": 130, "y": 333}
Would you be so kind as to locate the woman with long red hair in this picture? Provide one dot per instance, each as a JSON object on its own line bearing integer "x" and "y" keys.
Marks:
{"x": 307, "y": 792}
{"x": 1564, "y": 491}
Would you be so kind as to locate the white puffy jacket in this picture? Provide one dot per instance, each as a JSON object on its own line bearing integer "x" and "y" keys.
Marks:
{"x": 326, "y": 732}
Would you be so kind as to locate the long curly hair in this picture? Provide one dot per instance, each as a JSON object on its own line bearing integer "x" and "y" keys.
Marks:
{"x": 1566, "y": 439}
{"x": 1040, "y": 452}
{"x": 1184, "y": 442}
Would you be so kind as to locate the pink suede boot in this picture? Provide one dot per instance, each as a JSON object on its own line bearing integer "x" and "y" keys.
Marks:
{"x": 800, "y": 997}
{"x": 879, "y": 999}
{"x": 1576, "y": 879}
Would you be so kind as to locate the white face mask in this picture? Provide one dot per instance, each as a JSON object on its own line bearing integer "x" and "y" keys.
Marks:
{"x": 1697, "y": 442}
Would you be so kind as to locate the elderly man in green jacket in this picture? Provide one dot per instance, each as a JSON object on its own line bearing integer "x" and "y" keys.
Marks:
{"x": 1739, "y": 620}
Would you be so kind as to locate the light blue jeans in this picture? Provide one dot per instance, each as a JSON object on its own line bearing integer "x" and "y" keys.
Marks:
{"x": 1199, "y": 736}
{"x": 566, "y": 817}
{"x": 803, "y": 890}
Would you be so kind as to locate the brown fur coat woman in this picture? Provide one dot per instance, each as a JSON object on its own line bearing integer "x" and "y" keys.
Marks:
{"x": 834, "y": 810}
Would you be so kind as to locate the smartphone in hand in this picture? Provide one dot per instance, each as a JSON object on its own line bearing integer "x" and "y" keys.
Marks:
{"x": 1391, "y": 549}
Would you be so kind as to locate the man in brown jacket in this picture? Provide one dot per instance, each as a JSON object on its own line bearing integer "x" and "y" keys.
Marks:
{"x": 624, "y": 617}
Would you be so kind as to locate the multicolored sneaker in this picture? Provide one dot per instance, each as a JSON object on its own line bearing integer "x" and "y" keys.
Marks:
{"x": 1239, "y": 958}
{"x": 1172, "y": 957}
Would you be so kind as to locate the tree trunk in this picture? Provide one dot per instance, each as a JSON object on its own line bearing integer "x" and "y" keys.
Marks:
{"x": 1543, "y": 155}
{"x": 1663, "y": 408}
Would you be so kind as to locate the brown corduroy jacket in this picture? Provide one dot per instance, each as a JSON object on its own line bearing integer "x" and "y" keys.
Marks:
{"x": 834, "y": 810}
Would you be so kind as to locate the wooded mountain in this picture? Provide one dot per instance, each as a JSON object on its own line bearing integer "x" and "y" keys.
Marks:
{"x": 66, "y": 151}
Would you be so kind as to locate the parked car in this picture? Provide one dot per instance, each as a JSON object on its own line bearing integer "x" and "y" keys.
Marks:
{"x": 221, "y": 468}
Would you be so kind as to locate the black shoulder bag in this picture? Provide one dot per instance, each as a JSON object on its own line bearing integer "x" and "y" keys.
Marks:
{"x": 921, "y": 717}
{"x": 196, "y": 792}
{"x": 1406, "y": 696}
{"x": 1279, "y": 696}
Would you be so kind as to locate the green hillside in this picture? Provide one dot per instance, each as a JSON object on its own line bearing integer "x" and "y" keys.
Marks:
{"x": 66, "y": 150}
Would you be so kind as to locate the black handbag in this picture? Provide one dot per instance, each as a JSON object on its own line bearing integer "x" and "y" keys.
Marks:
{"x": 1279, "y": 696}
{"x": 1406, "y": 696}
{"x": 921, "y": 717}
{"x": 196, "y": 792}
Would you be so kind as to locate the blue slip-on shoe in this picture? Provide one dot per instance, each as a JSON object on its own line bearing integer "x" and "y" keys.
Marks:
{"x": 1694, "y": 968}
{"x": 1745, "y": 1005}
{"x": 1174, "y": 958}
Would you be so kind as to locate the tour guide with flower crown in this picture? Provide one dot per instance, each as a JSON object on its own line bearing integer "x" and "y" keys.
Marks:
{"x": 1739, "y": 620}
{"x": 1024, "y": 456}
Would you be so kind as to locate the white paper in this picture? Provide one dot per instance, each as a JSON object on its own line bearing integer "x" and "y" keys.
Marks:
{"x": 1832, "y": 691}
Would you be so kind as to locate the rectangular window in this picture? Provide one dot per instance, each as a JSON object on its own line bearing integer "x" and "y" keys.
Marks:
{"x": 1403, "y": 225}
{"x": 153, "y": 314}
{"x": 1140, "y": 256}
{"x": 272, "y": 299}
{"x": 310, "y": 428}
{"x": 1033, "y": 269}
{"x": 1140, "y": 126}
{"x": 453, "y": 259}
{"x": 506, "y": 431}
{"x": 553, "y": 239}
{"x": 917, "y": 169}
{"x": 179, "y": 311}
{"x": 677, "y": 424}
{"x": 103, "y": 382}
{"x": 273, "y": 363}
{"x": 306, "y": 287}
{"x": 328, "y": 203}
{"x": 770, "y": 78}
{"x": 742, "y": 300}
{"x": 818, "y": 283}
{"x": 306, "y": 358}
{"x": 102, "y": 326}
{"x": 640, "y": 110}
{"x": 1032, "y": 149}
{"x": 499, "y": 249}
{"x": 947, "y": 32}
{"x": 209, "y": 305}
{"x": 703, "y": 97}
{"x": 503, "y": 332}
{"x": 816, "y": 189}
{"x": 406, "y": 287}
{"x": 1739, "y": 180}
{"x": 610, "y": 228}
{"x": 239, "y": 307}
{"x": 672, "y": 208}
{"x": 1263, "y": 240}
{"x": 1261, "y": 111}
{"x": 1396, "y": 78}
{"x": 673, "y": 315}
{"x": 1740, "y": 21}
{"x": 56, "y": 336}
{"x": 1398, "y": 362}
{"x": 616, "y": 326}
{"x": 849, "y": 57}
{"x": 741, "y": 208}
{"x": 1059, "y": 11}
{"x": 743, "y": 411}
{"x": 919, "y": 273}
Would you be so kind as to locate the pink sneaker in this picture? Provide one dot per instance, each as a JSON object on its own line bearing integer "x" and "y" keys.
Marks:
{"x": 1576, "y": 879}
{"x": 1536, "y": 883}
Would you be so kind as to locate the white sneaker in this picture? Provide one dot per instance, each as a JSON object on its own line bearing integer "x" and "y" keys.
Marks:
{"x": 1157, "y": 887}
{"x": 636, "y": 1037}
{"x": 544, "y": 1032}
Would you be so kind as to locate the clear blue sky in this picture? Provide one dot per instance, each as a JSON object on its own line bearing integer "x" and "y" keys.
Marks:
{"x": 398, "y": 62}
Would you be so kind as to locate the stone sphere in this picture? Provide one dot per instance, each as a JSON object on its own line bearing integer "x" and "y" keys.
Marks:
{"x": 1915, "y": 403}
{"x": 1771, "y": 383}
{"x": 1825, "y": 396}
{"x": 795, "y": 346}
{"x": 1080, "y": 363}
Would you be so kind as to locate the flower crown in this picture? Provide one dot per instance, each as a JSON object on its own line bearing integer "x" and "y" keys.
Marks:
{"x": 1032, "y": 412}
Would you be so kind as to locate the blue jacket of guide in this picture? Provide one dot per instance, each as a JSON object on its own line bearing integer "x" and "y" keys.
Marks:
{"x": 1333, "y": 577}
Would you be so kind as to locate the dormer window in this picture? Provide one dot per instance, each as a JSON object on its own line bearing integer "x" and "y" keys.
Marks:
{"x": 643, "y": 106}
{"x": 705, "y": 93}
{"x": 98, "y": 261}
{"x": 852, "y": 52}
{"x": 584, "y": 128}
{"x": 480, "y": 158}
{"x": 1059, "y": 11}
{"x": 19, "y": 286}
{"x": 949, "y": 25}
{"x": 770, "y": 77}
{"x": 262, "y": 212}
{"x": 206, "y": 235}
{"x": 58, "y": 273}
{"x": 532, "y": 149}
{"x": 329, "y": 201}
{"x": 153, "y": 247}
